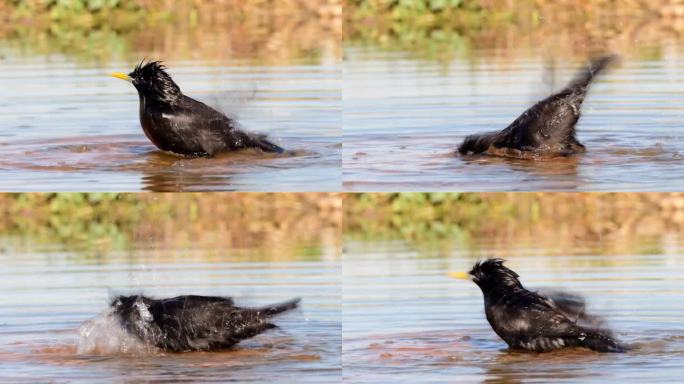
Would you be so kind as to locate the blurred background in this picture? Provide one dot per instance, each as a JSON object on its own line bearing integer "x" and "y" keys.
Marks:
{"x": 404, "y": 317}
{"x": 277, "y": 226}
{"x": 64, "y": 256}
{"x": 443, "y": 29}
{"x": 551, "y": 223}
{"x": 255, "y": 30}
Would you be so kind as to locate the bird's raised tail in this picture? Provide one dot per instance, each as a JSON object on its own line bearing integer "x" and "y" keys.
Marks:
{"x": 597, "y": 341}
{"x": 277, "y": 308}
{"x": 585, "y": 76}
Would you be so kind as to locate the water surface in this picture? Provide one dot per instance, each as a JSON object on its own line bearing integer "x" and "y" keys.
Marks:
{"x": 404, "y": 118}
{"x": 66, "y": 126}
{"x": 406, "y": 321}
{"x": 52, "y": 292}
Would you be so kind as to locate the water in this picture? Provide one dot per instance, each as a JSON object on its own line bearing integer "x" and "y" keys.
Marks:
{"x": 51, "y": 292}
{"x": 404, "y": 118}
{"x": 65, "y": 125}
{"x": 406, "y": 321}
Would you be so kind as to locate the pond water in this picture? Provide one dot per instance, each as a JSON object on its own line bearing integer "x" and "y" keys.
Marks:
{"x": 65, "y": 125}
{"x": 404, "y": 118}
{"x": 53, "y": 292}
{"x": 433, "y": 328}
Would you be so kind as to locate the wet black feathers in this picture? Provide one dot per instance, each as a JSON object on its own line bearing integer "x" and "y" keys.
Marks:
{"x": 528, "y": 320}
{"x": 547, "y": 128}
{"x": 179, "y": 124}
{"x": 152, "y": 81}
{"x": 193, "y": 323}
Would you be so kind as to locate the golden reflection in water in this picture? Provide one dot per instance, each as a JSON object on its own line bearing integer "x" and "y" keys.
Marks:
{"x": 258, "y": 226}
{"x": 558, "y": 29}
{"x": 272, "y": 32}
{"x": 509, "y": 223}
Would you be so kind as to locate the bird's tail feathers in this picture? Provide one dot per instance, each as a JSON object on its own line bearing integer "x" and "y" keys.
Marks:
{"x": 587, "y": 74}
{"x": 277, "y": 308}
{"x": 599, "y": 341}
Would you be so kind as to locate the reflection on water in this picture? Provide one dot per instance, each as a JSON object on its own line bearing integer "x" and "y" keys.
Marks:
{"x": 404, "y": 118}
{"x": 70, "y": 127}
{"x": 52, "y": 290}
{"x": 282, "y": 32}
{"x": 434, "y": 329}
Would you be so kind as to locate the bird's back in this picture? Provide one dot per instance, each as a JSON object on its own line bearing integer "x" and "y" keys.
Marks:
{"x": 518, "y": 315}
{"x": 192, "y": 323}
{"x": 546, "y": 128}
{"x": 193, "y": 128}
{"x": 204, "y": 323}
{"x": 527, "y": 320}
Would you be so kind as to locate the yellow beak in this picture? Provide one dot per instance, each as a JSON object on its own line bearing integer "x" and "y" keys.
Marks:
{"x": 122, "y": 76}
{"x": 459, "y": 275}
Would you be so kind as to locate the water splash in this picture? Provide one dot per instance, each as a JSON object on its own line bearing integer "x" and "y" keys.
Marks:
{"x": 104, "y": 335}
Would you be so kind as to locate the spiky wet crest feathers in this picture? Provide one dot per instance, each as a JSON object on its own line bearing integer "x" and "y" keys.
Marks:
{"x": 154, "y": 83}
{"x": 491, "y": 273}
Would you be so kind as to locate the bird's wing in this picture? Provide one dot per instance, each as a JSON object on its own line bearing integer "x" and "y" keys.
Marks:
{"x": 208, "y": 322}
{"x": 532, "y": 314}
{"x": 552, "y": 120}
{"x": 203, "y": 299}
{"x": 549, "y": 122}
{"x": 573, "y": 306}
{"x": 201, "y": 115}
{"x": 220, "y": 132}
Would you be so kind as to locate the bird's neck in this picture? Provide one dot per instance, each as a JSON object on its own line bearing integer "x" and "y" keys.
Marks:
{"x": 501, "y": 290}
{"x": 164, "y": 104}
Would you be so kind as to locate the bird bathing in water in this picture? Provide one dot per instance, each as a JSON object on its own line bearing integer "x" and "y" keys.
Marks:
{"x": 179, "y": 124}
{"x": 547, "y": 129}
{"x": 193, "y": 323}
{"x": 531, "y": 321}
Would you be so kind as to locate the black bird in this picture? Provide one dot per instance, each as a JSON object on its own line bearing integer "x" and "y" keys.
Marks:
{"x": 182, "y": 125}
{"x": 547, "y": 128}
{"x": 530, "y": 321}
{"x": 193, "y": 323}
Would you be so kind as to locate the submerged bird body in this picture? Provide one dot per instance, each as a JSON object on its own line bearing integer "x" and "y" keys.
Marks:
{"x": 547, "y": 128}
{"x": 193, "y": 323}
{"x": 177, "y": 123}
{"x": 530, "y": 321}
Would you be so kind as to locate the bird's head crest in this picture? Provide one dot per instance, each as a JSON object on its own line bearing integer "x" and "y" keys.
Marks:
{"x": 154, "y": 83}
{"x": 490, "y": 273}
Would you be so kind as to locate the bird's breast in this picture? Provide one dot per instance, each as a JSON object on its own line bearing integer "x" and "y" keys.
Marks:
{"x": 151, "y": 129}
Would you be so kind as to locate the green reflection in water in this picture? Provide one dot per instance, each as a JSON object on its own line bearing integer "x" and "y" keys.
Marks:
{"x": 444, "y": 30}
{"x": 283, "y": 226}
{"x": 106, "y": 30}
{"x": 504, "y": 224}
